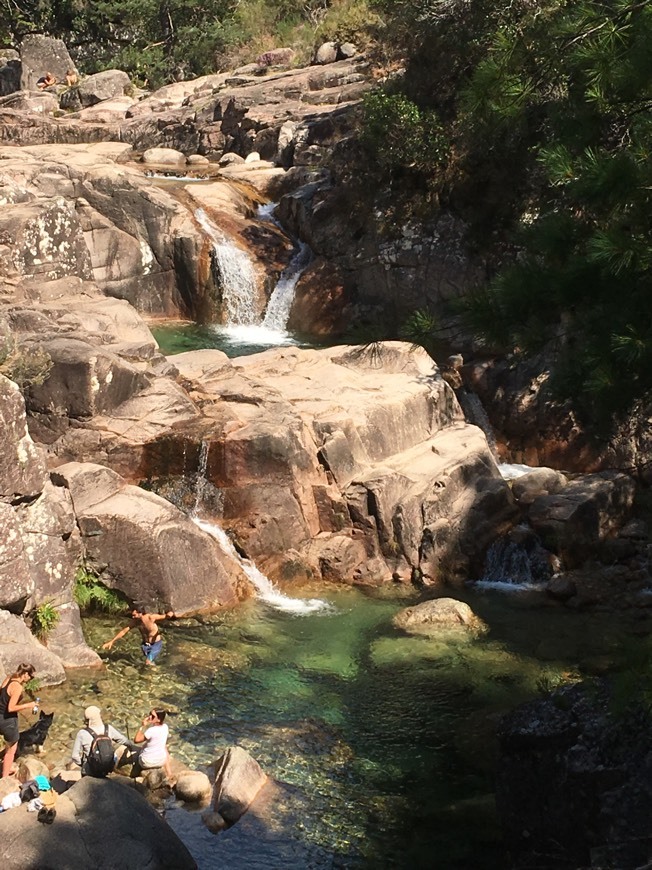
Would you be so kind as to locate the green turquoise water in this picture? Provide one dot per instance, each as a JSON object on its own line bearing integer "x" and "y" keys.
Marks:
{"x": 180, "y": 337}
{"x": 383, "y": 744}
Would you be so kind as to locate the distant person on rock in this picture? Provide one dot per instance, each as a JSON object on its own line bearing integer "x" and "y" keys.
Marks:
{"x": 46, "y": 81}
{"x": 154, "y": 734}
{"x": 92, "y": 751}
{"x": 10, "y": 706}
{"x": 72, "y": 78}
{"x": 146, "y": 623}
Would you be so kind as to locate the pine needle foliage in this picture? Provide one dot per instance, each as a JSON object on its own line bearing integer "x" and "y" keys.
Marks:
{"x": 548, "y": 109}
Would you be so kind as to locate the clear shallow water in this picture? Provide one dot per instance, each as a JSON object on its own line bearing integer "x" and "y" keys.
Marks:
{"x": 383, "y": 744}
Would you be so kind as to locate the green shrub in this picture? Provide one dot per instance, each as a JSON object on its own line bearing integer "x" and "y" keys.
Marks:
{"x": 92, "y": 595}
{"x": 44, "y": 619}
{"x": 32, "y": 687}
{"x": 26, "y": 366}
{"x": 348, "y": 21}
{"x": 401, "y": 135}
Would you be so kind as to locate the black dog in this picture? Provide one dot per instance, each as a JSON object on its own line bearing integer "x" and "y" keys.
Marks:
{"x": 35, "y": 736}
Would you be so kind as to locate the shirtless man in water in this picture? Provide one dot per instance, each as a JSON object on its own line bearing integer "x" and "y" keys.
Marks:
{"x": 146, "y": 623}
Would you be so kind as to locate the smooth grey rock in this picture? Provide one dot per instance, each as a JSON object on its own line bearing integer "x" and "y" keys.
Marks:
{"x": 326, "y": 53}
{"x": 18, "y": 644}
{"x": 164, "y": 157}
{"x": 22, "y": 463}
{"x": 101, "y": 824}
{"x": 41, "y": 54}
{"x": 102, "y": 86}
{"x": 239, "y": 779}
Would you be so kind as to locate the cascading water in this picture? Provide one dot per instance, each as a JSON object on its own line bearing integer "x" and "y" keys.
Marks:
{"x": 517, "y": 561}
{"x": 237, "y": 274}
{"x": 280, "y": 302}
{"x": 243, "y": 326}
{"x": 267, "y": 592}
{"x": 200, "y": 485}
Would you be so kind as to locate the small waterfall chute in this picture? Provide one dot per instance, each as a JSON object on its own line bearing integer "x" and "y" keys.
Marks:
{"x": 280, "y": 302}
{"x": 267, "y": 592}
{"x": 512, "y": 470}
{"x": 517, "y": 561}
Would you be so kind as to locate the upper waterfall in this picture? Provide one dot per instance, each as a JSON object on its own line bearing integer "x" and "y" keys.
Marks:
{"x": 237, "y": 274}
{"x": 243, "y": 325}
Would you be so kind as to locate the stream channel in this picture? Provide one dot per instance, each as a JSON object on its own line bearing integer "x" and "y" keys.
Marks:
{"x": 382, "y": 744}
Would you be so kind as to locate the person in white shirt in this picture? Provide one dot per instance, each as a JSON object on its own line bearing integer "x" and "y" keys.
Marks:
{"x": 93, "y": 727}
{"x": 154, "y": 734}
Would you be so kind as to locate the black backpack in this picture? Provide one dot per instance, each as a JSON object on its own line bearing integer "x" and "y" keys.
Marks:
{"x": 100, "y": 759}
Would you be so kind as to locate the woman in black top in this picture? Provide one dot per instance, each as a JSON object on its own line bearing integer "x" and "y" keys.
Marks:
{"x": 10, "y": 693}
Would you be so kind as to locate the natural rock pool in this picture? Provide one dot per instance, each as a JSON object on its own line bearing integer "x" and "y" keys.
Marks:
{"x": 383, "y": 744}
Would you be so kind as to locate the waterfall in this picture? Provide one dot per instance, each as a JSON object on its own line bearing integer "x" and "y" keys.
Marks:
{"x": 243, "y": 326}
{"x": 236, "y": 272}
{"x": 517, "y": 561}
{"x": 267, "y": 592}
{"x": 202, "y": 480}
{"x": 512, "y": 470}
{"x": 280, "y": 302}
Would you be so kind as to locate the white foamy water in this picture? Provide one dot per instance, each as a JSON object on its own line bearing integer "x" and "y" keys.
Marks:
{"x": 280, "y": 302}
{"x": 236, "y": 273}
{"x": 513, "y": 470}
{"x": 507, "y": 586}
{"x": 267, "y": 592}
{"x": 254, "y": 335}
{"x": 243, "y": 326}
{"x": 265, "y": 212}
{"x": 188, "y": 178}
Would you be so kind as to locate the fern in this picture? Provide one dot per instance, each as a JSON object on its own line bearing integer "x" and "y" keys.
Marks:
{"x": 91, "y": 594}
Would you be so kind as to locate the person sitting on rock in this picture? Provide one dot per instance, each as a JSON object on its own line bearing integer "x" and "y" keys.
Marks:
{"x": 72, "y": 79}
{"x": 94, "y": 727}
{"x": 146, "y": 623}
{"x": 154, "y": 734}
{"x": 46, "y": 81}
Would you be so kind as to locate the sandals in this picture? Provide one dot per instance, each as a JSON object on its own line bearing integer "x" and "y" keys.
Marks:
{"x": 47, "y": 816}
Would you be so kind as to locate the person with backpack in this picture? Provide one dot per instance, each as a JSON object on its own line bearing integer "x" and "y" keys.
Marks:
{"x": 93, "y": 749}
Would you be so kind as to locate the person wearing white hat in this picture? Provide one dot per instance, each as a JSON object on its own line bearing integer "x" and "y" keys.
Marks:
{"x": 93, "y": 727}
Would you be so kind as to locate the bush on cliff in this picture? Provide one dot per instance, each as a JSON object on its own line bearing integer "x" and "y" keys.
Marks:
{"x": 546, "y": 109}
{"x": 92, "y": 595}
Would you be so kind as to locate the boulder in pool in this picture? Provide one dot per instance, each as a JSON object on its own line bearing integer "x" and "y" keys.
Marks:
{"x": 238, "y": 780}
{"x": 440, "y": 614}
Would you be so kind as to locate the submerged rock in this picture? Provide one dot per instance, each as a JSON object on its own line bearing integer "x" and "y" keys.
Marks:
{"x": 573, "y": 780}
